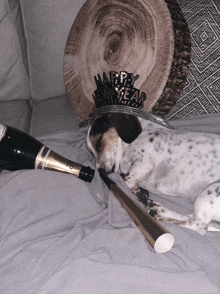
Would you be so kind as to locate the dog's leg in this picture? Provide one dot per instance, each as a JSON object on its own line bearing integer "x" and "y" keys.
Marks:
{"x": 132, "y": 179}
{"x": 206, "y": 209}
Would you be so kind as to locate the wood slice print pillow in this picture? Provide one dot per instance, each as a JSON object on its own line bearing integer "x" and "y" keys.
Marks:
{"x": 149, "y": 38}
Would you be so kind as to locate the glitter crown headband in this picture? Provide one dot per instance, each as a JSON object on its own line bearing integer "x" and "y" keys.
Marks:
{"x": 118, "y": 95}
{"x": 119, "y": 90}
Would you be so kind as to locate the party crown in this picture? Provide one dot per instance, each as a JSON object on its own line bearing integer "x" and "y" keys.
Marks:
{"x": 118, "y": 90}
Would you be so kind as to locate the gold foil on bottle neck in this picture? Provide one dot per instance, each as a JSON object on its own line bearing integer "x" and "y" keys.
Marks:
{"x": 49, "y": 160}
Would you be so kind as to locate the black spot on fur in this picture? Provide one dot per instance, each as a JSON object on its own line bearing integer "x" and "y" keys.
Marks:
{"x": 151, "y": 140}
{"x": 217, "y": 191}
{"x": 178, "y": 143}
{"x": 169, "y": 151}
{"x": 214, "y": 153}
{"x": 100, "y": 126}
{"x": 144, "y": 196}
{"x": 168, "y": 160}
{"x": 157, "y": 147}
{"x": 153, "y": 212}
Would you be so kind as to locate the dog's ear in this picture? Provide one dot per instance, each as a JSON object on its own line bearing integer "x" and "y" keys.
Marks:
{"x": 127, "y": 126}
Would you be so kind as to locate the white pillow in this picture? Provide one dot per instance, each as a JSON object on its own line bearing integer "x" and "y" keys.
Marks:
{"x": 16, "y": 15}
{"x": 14, "y": 82}
{"x": 47, "y": 25}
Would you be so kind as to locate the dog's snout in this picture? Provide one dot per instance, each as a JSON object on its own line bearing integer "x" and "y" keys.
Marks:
{"x": 107, "y": 168}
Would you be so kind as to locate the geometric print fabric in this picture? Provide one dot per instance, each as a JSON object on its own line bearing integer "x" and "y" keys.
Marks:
{"x": 201, "y": 94}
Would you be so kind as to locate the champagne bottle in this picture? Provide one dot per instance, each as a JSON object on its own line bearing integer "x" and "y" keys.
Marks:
{"x": 19, "y": 150}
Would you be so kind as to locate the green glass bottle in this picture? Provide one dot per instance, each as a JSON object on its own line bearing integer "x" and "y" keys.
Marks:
{"x": 19, "y": 150}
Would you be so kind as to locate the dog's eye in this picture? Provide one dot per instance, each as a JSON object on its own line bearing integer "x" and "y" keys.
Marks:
{"x": 100, "y": 126}
{"x": 98, "y": 144}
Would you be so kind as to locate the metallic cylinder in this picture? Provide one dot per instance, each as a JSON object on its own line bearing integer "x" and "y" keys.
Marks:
{"x": 158, "y": 236}
{"x": 50, "y": 160}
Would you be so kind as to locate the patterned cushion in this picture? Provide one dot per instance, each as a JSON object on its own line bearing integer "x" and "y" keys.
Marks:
{"x": 201, "y": 94}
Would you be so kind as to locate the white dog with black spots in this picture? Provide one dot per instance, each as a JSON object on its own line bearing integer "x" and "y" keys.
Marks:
{"x": 163, "y": 161}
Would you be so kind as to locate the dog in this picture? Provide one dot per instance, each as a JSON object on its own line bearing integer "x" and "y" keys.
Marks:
{"x": 163, "y": 161}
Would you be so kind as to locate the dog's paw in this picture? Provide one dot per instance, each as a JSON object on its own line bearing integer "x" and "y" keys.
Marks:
{"x": 161, "y": 213}
{"x": 155, "y": 210}
{"x": 143, "y": 197}
{"x": 164, "y": 214}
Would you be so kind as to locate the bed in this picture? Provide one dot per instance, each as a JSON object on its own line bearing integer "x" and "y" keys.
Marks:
{"x": 59, "y": 234}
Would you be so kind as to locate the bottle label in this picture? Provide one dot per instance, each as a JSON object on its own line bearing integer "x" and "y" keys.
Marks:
{"x": 2, "y": 131}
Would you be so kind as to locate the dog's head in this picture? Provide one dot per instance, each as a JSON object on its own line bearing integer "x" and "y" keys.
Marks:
{"x": 108, "y": 137}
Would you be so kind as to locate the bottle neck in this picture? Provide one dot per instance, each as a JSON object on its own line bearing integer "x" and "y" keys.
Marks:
{"x": 49, "y": 160}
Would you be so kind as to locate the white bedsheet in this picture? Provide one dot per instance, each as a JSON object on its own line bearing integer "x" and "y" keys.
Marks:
{"x": 61, "y": 235}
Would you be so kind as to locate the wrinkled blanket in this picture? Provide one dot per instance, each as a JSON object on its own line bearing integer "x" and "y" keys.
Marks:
{"x": 61, "y": 235}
